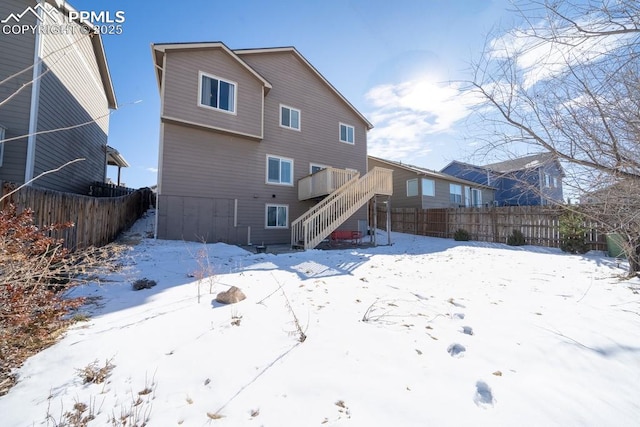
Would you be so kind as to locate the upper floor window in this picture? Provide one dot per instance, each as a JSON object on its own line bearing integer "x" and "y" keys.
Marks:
{"x": 347, "y": 133}
{"x": 289, "y": 117}
{"x": 455, "y": 193}
{"x": 428, "y": 187}
{"x": 217, "y": 93}
{"x": 412, "y": 187}
{"x": 279, "y": 170}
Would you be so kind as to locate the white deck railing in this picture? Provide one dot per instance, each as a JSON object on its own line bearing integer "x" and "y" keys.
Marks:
{"x": 324, "y": 182}
{"x": 317, "y": 223}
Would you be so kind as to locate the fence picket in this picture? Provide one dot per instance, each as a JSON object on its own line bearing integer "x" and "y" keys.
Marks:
{"x": 539, "y": 224}
{"x": 97, "y": 221}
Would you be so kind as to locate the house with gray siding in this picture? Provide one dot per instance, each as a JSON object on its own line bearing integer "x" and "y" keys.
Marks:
{"x": 257, "y": 147}
{"x": 421, "y": 188}
{"x": 55, "y": 97}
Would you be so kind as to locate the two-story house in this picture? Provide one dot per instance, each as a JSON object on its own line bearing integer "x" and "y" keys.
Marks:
{"x": 525, "y": 181}
{"x": 256, "y": 146}
{"x": 55, "y": 97}
{"x": 421, "y": 188}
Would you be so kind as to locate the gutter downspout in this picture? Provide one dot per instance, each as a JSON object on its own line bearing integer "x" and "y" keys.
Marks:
{"x": 35, "y": 101}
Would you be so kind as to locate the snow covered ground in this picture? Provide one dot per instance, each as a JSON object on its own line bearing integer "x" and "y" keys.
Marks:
{"x": 424, "y": 332}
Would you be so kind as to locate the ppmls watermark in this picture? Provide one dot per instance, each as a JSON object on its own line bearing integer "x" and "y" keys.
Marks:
{"x": 76, "y": 22}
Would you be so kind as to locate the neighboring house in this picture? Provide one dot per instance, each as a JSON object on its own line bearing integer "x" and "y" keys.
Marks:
{"x": 55, "y": 97}
{"x": 530, "y": 180}
{"x": 417, "y": 187}
{"x": 621, "y": 192}
{"x": 250, "y": 141}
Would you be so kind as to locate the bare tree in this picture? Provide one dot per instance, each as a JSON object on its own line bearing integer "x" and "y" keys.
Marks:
{"x": 567, "y": 81}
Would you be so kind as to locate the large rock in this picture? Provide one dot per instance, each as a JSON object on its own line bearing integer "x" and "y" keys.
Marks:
{"x": 231, "y": 296}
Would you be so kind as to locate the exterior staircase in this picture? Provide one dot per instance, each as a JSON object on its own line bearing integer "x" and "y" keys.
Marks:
{"x": 320, "y": 221}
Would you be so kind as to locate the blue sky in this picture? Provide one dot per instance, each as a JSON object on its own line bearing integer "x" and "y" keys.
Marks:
{"x": 390, "y": 59}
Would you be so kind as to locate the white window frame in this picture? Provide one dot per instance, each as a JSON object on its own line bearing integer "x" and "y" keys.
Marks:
{"x": 317, "y": 165}
{"x": 410, "y": 185}
{"x": 2, "y": 133}
{"x": 353, "y": 133}
{"x": 202, "y": 74}
{"x": 282, "y": 107}
{"x": 281, "y": 159}
{"x": 432, "y": 187}
{"x": 266, "y": 216}
{"x": 451, "y": 193}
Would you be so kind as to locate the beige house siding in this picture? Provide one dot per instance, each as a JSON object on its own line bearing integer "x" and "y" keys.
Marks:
{"x": 213, "y": 184}
{"x": 71, "y": 93}
{"x": 16, "y": 51}
{"x": 441, "y": 198}
{"x": 181, "y": 95}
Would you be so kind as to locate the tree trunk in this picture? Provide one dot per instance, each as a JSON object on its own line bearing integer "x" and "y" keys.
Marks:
{"x": 634, "y": 259}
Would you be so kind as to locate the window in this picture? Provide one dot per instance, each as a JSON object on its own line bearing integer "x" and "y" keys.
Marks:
{"x": 277, "y": 216}
{"x": 289, "y": 117}
{"x": 455, "y": 194}
{"x": 1, "y": 145}
{"x": 412, "y": 187}
{"x": 428, "y": 187}
{"x": 555, "y": 182}
{"x": 346, "y": 133}
{"x": 547, "y": 179}
{"x": 476, "y": 197}
{"x": 217, "y": 93}
{"x": 315, "y": 167}
{"x": 279, "y": 170}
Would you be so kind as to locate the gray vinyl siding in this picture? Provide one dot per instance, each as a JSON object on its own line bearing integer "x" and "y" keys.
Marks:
{"x": 71, "y": 93}
{"x": 181, "y": 96}
{"x": 16, "y": 51}
{"x": 205, "y": 170}
{"x": 441, "y": 198}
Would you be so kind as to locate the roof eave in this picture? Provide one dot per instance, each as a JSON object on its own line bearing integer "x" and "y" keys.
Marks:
{"x": 162, "y": 48}
{"x": 98, "y": 50}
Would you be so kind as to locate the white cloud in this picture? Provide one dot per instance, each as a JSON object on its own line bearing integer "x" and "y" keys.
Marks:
{"x": 152, "y": 170}
{"x": 540, "y": 59}
{"x": 405, "y": 114}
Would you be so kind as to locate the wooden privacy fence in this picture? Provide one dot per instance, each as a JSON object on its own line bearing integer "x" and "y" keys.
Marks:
{"x": 539, "y": 224}
{"x": 97, "y": 220}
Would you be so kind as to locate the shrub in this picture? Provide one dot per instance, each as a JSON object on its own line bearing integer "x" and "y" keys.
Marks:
{"x": 516, "y": 238}
{"x": 32, "y": 304}
{"x": 461, "y": 235}
{"x": 572, "y": 233}
{"x": 36, "y": 273}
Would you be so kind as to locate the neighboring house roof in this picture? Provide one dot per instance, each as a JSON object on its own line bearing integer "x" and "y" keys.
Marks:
{"x": 98, "y": 50}
{"x": 521, "y": 163}
{"x": 467, "y": 165}
{"x": 532, "y": 161}
{"x": 114, "y": 158}
{"x": 158, "y": 50}
{"x": 430, "y": 173}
